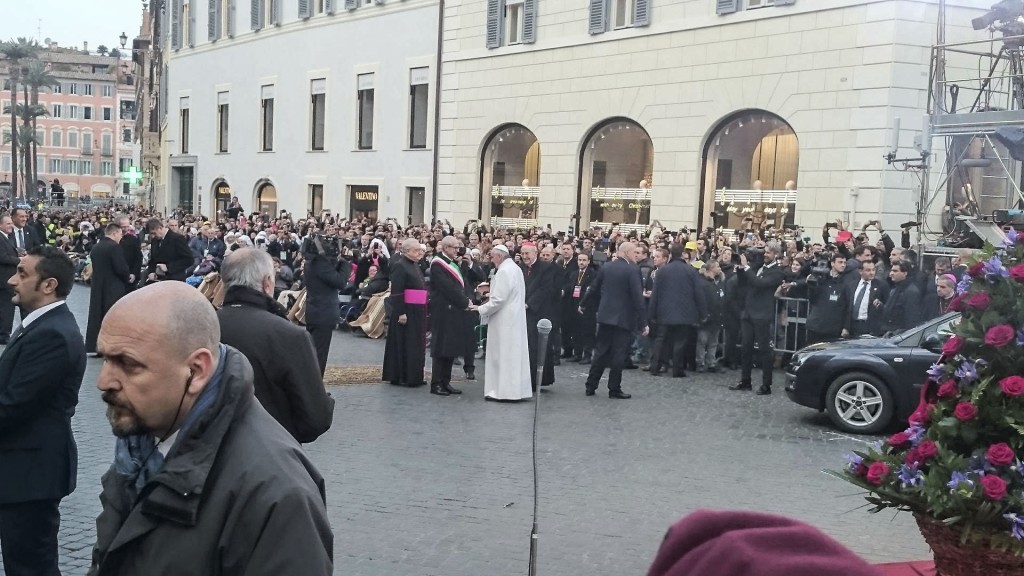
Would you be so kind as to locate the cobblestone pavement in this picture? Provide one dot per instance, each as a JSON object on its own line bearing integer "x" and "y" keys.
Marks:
{"x": 422, "y": 485}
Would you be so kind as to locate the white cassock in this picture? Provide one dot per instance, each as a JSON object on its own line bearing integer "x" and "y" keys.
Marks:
{"x": 507, "y": 366}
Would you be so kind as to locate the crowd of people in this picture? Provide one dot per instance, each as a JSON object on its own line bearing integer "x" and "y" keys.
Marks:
{"x": 212, "y": 473}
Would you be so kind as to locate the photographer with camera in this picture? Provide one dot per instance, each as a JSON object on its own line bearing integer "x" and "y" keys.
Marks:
{"x": 827, "y": 298}
{"x": 326, "y": 273}
{"x": 759, "y": 312}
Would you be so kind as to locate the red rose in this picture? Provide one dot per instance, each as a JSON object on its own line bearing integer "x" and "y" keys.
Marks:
{"x": 1000, "y": 454}
{"x": 1017, "y": 272}
{"x": 912, "y": 458}
{"x": 878, "y": 471}
{"x": 926, "y": 451}
{"x": 993, "y": 486}
{"x": 948, "y": 389}
{"x": 965, "y": 412}
{"x": 1000, "y": 335}
{"x": 975, "y": 270}
{"x": 956, "y": 304}
{"x": 979, "y": 301}
{"x": 901, "y": 440}
{"x": 1012, "y": 386}
{"x": 952, "y": 346}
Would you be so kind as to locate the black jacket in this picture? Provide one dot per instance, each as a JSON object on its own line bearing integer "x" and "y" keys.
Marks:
{"x": 173, "y": 251}
{"x": 287, "y": 384}
{"x": 879, "y": 291}
{"x": 32, "y": 237}
{"x": 448, "y": 303}
{"x": 132, "y": 247}
{"x": 679, "y": 296}
{"x": 323, "y": 281}
{"x": 108, "y": 285}
{"x": 234, "y": 493}
{"x": 9, "y": 260}
{"x": 40, "y": 373}
{"x": 828, "y": 303}
{"x": 714, "y": 295}
{"x": 760, "y": 299}
{"x": 619, "y": 296}
{"x": 542, "y": 292}
{"x": 902, "y": 308}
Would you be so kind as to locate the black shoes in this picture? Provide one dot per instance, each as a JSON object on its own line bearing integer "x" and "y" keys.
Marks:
{"x": 619, "y": 395}
{"x": 471, "y": 374}
{"x": 586, "y": 359}
{"x": 436, "y": 388}
{"x": 630, "y": 366}
{"x": 448, "y": 388}
{"x": 764, "y": 390}
{"x": 679, "y": 375}
{"x": 574, "y": 359}
{"x": 590, "y": 392}
{"x": 742, "y": 386}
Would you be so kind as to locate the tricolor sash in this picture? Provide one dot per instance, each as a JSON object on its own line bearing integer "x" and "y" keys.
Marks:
{"x": 451, "y": 268}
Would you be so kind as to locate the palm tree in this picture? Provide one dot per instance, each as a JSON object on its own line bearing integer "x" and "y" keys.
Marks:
{"x": 37, "y": 77}
{"x": 23, "y": 138}
{"x": 15, "y": 51}
{"x": 28, "y": 114}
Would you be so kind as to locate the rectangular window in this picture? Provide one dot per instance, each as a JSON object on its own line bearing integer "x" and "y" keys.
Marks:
{"x": 107, "y": 91}
{"x": 514, "y": 22}
{"x": 56, "y": 87}
{"x": 55, "y": 166}
{"x": 56, "y": 111}
{"x": 86, "y": 143}
{"x": 107, "y": 144}
{"x": 108, "y": 113}
{"x": 71, "y": 166}
{"x": 624, "y": 10}
{"x": 55, "y": 139}
{"x": 126, "y": 135}
{"x": 316, "y": 198}
{"x": 419, "y": 80}
{"x": 222, "y": 121}
{"x": 86, "y": 168}
{"x": 5, "y": 163}
{"x": 72, "y": 88}
{"x": 267, "y": 118}
{"x": 73, "y": 111}
{"x": 41, "y": 164}
{"x": 364, "y": 98}
{"x": 41, "y": 136}
{"x": 318, "y": 113}
{"x": 87, "y": 89}
{"x": 87, "y": 111}
{"x": 123, "y": 164}
{"x": 73, "y": 139}
{"x": 759, "y": 3}
{"x": 106, "y": 168}
{"x": 184, "y": 131}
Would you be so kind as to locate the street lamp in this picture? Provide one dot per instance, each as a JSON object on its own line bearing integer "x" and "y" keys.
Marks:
{"x": 124, "y": 39}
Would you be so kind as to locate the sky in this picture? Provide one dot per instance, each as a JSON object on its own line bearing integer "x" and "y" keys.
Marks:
{"x": 71, "y": 22}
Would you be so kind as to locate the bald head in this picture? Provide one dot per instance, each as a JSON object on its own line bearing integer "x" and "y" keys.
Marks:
{"x": 448, "y": 242}
{"x": 627, "y": 250}
{"x": 175, "y": 313}
{"x": 409, "y": 244}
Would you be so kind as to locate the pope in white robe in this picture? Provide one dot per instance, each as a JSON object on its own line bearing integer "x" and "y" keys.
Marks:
{"x": 507, "y": 365}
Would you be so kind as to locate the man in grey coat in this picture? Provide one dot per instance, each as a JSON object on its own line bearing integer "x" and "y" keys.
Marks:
{"x": 204, "y": 480}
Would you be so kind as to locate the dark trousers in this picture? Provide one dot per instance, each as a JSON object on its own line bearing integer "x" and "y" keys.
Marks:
{"x": 759, "y": 332}
{"x": 469, "y": 358}
{"x": 322, "y": 342}
{"x": 28, "y": 537}
{"x": 6, "y": 310}
{"x": 441, "y": 370}
{"x": 859, "y": 328}
{"x": 611, "y": 351}
{"x": 672, "y": 342}
{"x": 813, "y": 337}
{"x": 533, "y": 342}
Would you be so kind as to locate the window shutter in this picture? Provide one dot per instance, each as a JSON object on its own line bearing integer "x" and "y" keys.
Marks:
{"x": 351, "y": 4}
{"x": 495, "y": 22}
{"x": 784, "y": 2}
{"x": 256, "y": 11}
{"x": 530, "y": 21}
{"x": 213, "y": 21}
{"x": 642, "y": 13}
{"x": 329, "y": 6}
{"x": 191, "y": 28}
{"x": 276, "y": 7}
{"x": 176, "y": 24}
{"x": 598, "y": 16}
{"x": 726, "y": 6}
{"x": 304, "y": 11}
{"x": 231, "y": 18}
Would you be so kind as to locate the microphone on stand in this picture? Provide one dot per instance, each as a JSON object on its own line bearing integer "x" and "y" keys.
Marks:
{"x": 543, "y": 330}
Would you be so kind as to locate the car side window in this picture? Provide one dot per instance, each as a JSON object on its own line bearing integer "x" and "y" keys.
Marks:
{"x": 943, "y": 329}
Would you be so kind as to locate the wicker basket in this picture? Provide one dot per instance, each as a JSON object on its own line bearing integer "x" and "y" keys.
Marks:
{"x": 971, "y": 559}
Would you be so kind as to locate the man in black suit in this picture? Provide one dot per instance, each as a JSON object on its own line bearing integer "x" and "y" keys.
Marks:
{"x": 110, "y": 279}
{"x": 619, "y": 314}
{"x": 9, "y": 260}
{"x": 678, "y": 305}
{"x": 132, "y": 247}
{"x": 758, "y": 316}
{"x": 449, "y": 307}
{"x": 40, "y": 373}
{"x": 902, "y": 308}
{"x": 24, "y": 237}
{"x": 170, "y": 258}
{"x": 542, "y": 292}
{"x": 581, "y": 326}
{"x": 866, "y": 299}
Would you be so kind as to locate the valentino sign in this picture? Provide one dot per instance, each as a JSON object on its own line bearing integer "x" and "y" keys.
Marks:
{"x": 365, "y": 195}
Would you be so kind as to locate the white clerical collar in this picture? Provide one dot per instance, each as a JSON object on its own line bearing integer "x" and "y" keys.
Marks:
{"x": 35, "y": 314}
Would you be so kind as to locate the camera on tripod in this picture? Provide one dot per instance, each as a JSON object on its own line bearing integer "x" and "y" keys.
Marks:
{"x": 321, "y": 245}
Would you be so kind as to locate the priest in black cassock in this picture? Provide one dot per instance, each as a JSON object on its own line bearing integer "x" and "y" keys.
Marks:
{"x": 405, "y": 350}
{"x": 110, "y": 279}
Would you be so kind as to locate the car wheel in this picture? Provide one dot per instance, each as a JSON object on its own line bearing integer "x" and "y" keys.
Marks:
{"x": 860, "y": 403}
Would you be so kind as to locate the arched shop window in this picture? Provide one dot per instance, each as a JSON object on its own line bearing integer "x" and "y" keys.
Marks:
{"x": 510, "y": 187}
{"x": 617, "y": 176}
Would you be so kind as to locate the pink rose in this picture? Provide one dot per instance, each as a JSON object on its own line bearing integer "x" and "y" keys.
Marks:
{"x": 975, "y": 270}
{"x": 1012, "y": 386}
{"x": 979, "y": 301}
{"x": 993, "y": 486}
{"x": 1000, "y": 454}
{"x": 952, "y": 346}
{"x": 1017, "y": 272}
{"x": 957, "y": 303}
{"x": 948, "y": 389}
{"x": 877, "y": 473}
{"x": 900, "y": 440}
{"x": 1000, "y": 335}
{"x": 926, "y": 451}
{"x": 965, "y": 412}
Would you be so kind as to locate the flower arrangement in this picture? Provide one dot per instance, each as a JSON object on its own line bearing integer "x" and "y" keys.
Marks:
{"x": 961, "y": 461}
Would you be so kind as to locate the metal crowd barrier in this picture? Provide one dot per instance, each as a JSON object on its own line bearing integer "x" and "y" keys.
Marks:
{"x": 790, "y": 329}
